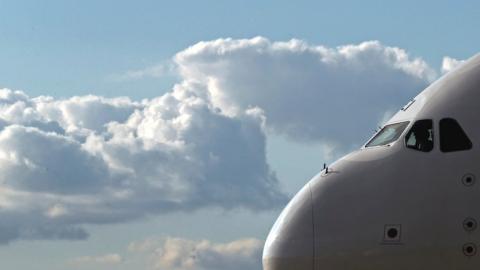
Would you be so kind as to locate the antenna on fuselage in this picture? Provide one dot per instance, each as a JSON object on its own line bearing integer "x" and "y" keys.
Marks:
{"x": 325, "y": 167}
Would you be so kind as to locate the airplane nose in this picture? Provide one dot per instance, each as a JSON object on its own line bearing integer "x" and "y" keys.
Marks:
{"x": 290, "y": 243}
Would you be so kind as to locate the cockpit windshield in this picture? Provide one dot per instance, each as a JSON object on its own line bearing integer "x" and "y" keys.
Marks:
{"x": 388, "y": 134}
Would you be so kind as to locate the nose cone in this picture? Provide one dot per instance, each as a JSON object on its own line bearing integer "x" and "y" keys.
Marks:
{"x": 290, "y": 244}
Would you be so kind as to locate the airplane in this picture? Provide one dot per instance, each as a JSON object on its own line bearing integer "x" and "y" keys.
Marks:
{"x": 407, "y": 199}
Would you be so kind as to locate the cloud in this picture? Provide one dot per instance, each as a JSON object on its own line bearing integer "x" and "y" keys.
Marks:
{"x": 114, "y": 160}
{"x": 36, "y": 161}
{"x": 109, "y": 259}
{"x": 155, "y": 71}
{"x": 85, "y": 160}
{"x": 87, "y": 112}
{"x": 309, "y": 93}
{"x": 449, "y": 64}
{"x": 185, "y": 254}
{"x": 75, "y": 115}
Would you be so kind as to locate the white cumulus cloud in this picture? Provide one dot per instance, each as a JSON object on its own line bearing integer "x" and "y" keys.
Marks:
{"x": 307, "y": 92}
{"x": 113, "y": 160}
{"x": 449, "y": 64}
{"x": 94, "y": 160}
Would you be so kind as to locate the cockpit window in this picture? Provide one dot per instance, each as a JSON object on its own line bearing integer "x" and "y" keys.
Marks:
{"x": 388, "y": 134}
{"x": 420, "y": 136}
{"x": 452, "y": 136}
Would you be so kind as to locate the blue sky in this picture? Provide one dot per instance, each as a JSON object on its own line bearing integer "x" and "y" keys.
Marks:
{"x": 65, "y": 48}
{"x": 249, "y": 122}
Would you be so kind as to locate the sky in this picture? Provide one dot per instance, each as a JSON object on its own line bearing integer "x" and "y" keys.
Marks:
{"x": 169, "y": 135}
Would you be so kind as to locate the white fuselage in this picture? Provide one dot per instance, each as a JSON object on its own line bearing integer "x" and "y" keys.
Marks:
{"x": 391, "y": 206}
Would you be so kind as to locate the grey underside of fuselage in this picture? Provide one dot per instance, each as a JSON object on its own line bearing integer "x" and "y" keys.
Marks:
{"x": 338, "y": 220}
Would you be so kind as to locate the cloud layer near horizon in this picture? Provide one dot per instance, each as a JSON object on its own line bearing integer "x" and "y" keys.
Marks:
{"x": 183, "y": 254}
{"x": 175, "y": 253}
{"x": 94, "y": 160}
